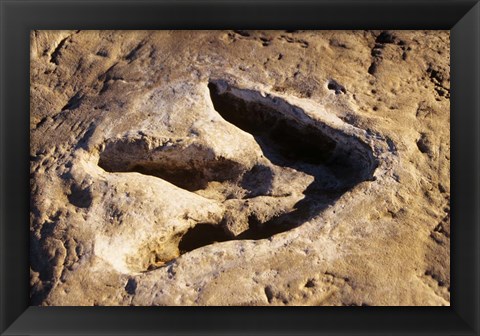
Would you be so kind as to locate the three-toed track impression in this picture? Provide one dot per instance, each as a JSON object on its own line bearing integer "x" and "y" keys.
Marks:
{"x": 304, "y": 166}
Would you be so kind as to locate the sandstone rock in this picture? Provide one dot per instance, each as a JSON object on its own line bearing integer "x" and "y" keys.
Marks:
{"x": 240, "y": 168}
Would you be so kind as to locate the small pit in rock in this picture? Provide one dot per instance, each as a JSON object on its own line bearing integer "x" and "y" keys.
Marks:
{"x": 336, "y": 87}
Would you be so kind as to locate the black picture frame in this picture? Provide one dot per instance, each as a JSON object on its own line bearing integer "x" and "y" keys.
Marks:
{"x": 18, "y": 17}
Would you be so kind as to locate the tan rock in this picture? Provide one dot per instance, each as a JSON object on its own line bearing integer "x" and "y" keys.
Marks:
{"x": 240, "y": 168}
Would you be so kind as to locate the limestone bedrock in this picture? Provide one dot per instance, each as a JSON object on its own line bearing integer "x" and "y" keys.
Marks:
{"x": 240, "y": 168}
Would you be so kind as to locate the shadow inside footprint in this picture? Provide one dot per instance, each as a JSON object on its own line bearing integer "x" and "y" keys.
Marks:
{"x": 289, "y": 138}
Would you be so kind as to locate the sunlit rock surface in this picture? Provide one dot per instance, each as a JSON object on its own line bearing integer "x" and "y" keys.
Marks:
{"x": 240, "y": 168}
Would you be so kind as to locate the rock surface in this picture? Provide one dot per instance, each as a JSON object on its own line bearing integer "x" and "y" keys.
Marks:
{"x": 240, "y": 168}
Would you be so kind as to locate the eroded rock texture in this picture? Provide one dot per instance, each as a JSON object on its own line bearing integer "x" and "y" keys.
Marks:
{"x": 240, "y": 168}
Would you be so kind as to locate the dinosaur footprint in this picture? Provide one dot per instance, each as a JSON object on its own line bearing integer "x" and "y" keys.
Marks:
{"x": 300, "y": 166}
